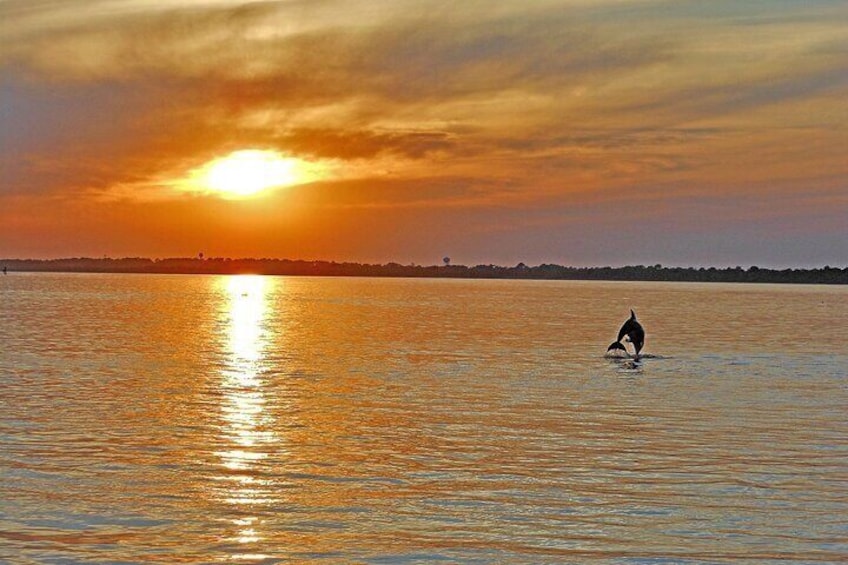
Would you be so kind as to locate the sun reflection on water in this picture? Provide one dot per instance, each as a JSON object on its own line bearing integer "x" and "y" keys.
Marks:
{"x": 246, "y": 433}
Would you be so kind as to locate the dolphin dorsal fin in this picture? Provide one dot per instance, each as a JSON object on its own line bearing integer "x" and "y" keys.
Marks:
{"x": 632, "y": 314}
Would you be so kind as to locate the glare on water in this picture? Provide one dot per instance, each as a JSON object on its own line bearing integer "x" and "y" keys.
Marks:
{"x": 181, "y": 419}
{"x": 248, "y": 428}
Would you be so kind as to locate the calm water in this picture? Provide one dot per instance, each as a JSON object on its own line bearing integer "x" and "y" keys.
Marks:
{"x": 193, "y": 419}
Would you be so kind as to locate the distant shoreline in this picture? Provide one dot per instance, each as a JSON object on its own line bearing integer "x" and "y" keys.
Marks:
{"x": 224, "y": 266}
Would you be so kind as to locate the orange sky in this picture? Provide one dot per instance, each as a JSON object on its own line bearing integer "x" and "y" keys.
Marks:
{"x": 576, "y": 132}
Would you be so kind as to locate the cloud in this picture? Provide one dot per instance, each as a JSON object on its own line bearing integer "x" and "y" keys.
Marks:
{"x": 361, "y": 144}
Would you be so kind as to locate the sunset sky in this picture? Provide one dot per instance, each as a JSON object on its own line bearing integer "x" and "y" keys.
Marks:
{"x": 579, "y": 132}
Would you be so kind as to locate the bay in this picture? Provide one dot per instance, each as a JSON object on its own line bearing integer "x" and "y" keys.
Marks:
{"x": 244, "y": 419}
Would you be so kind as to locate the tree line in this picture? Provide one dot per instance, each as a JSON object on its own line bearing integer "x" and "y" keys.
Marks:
{"x": 220, "y": 265}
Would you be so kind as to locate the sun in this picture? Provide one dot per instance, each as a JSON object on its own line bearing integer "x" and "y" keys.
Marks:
{"x": 249, "y": 172}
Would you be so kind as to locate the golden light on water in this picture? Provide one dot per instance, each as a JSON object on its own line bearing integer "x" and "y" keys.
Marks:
{"x": 247, "y": 338}
{"x": 247, "y": 425}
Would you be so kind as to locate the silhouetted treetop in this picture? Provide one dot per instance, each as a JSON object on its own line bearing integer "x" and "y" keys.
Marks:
{"x": 221, "y": 265}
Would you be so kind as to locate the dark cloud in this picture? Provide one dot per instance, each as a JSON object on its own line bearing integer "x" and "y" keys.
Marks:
{"x": 362, "y": 144}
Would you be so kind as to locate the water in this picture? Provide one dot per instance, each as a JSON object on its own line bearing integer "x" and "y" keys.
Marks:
{"x": 194, "y": 419}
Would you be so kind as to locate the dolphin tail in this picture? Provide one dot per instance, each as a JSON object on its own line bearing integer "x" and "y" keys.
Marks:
{"x": 616, "y": 345}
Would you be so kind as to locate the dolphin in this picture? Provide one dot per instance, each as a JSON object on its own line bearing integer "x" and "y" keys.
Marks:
{"x": 633, "y": 331}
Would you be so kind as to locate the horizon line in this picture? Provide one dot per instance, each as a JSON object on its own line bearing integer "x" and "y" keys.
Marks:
{"x": 201, "y": 258}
